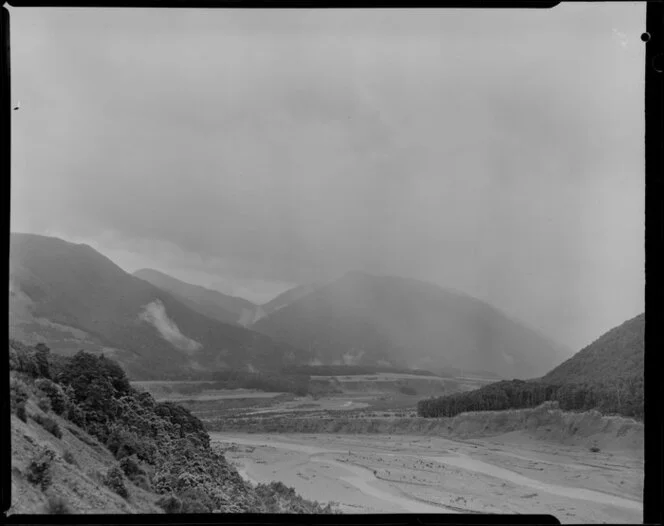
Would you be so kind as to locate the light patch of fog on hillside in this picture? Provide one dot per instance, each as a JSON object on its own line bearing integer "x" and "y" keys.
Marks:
{"x": 351, "y": 358}
{"x": 155, "y": 314}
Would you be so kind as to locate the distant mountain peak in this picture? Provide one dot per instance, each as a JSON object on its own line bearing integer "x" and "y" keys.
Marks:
{"x": 403, "y": 320}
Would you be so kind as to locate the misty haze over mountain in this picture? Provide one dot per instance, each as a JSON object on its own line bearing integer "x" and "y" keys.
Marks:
{"x": 328, "y": 261}
{"x": 250, "y": 152}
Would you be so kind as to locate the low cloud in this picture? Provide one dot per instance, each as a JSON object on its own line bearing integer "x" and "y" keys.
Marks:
{"x": 155, "y": 314}
{"x": 352, "y": 358}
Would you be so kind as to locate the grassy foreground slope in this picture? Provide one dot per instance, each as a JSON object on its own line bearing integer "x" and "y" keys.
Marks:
{"x": 85, "y": 441}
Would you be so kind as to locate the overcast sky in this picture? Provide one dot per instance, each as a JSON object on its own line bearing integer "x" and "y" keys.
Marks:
{"x": 498, "y": 152}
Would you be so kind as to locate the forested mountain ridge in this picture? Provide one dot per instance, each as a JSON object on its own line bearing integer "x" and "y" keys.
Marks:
{"x": 361, "y": 319}
{"x": 618, "y": 353}
{"x": 607, "y": 376}
{"x": 153, "y": 456}
{"x": 89, "y": 302}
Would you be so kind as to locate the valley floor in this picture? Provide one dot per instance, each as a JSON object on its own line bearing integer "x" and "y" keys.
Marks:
{"x": 509, "y": 473}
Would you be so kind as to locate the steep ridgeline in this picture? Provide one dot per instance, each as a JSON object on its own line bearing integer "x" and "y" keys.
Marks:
{"x": 362, "y": 319}
{"x": 286, "y": 298}
{"x": 85, "y": 441}
{"x": 74, "y": 297}
{"x": 210, "y": 303}
{"x": 617, "y": 354}
{"x": 606, "y": 376}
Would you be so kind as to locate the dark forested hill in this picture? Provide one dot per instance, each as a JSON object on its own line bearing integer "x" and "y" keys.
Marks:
{"x": 73, "y": 292}
{"x": 616, "y": 354}
{"x": 362, "y": 319}
{"x": 607, "y": 376}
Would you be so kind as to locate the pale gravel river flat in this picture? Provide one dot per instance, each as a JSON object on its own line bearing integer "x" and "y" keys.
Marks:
{"x": 409, "y": 474}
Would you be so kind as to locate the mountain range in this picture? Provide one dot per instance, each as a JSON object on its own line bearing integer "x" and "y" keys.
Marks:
{"x": 210, "y": 303}
{"x": 74, "y": 297}
{"x": 362, "y": 318}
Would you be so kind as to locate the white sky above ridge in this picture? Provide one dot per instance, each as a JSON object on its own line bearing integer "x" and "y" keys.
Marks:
{"x": 498, "y": 152}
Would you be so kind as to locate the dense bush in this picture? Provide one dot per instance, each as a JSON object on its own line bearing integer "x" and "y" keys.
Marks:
{"x": 18, "y": 396}
{"x": 75, "y": 415}
{"x": 195, "y": 501}
{"x": 40, "y": 469}
{"x": 186, "y": 424}
{"x": 624, "y": 397}
{"x": 42, "y": 353}
{"x": 44, "y": 403}
{"x": 18, "y": 390}
{"x": 49, "y": 424}
{"x": 115, "y": 481}
{"x": 123, "y": 443}
{"x": 161, "y": 447}
{"x": 130, "y": 467}
{"x": 55, "y": 394}
{"x": 170, "y": 504}
{"x": 93, "y": 379}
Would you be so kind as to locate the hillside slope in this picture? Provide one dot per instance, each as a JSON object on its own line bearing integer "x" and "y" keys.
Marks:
{"x": 617, "y": 353}
{"x": 210, "y": 303}
{"x": 77, "y": 470}
{"x": 83, "y": 299}
{"x": 365, "y": 319}
{"x": 287, "y": 297}
{"x": 606, "y": 376}
{"x": 85, "y": 441}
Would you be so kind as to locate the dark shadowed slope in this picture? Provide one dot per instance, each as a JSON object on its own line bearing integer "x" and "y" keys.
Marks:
{"x": 363, "y": 319}
{"x": 73, "y": 289}
{"x": 210, "y": 303}
{"x": 616, "y": 354}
